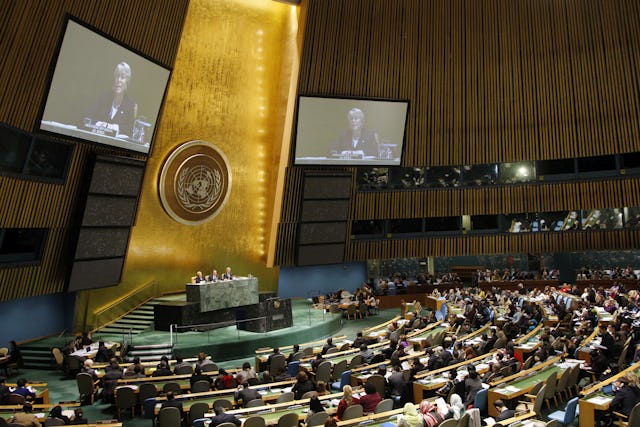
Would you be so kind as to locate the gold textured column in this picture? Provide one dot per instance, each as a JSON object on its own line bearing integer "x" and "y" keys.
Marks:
{"x": 229, "y": 86}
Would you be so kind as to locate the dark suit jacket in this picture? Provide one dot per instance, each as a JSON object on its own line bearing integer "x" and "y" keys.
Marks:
{"x": 625, "y": 399}
{"x": 608, "y": 342}
{"x": 162, "y": 372}
{"x": 224, "y": 418}
{"x": 247, "y": 395}
{"x": 195, "y": 378}
{"x": 367, "y": 143}
{"x": 124, "y": 118}
{"x": 173, "y": 404}
{"x": 505, "y": 415}
{"x": 396, "y": 384}
{"x": 4, "y": 393}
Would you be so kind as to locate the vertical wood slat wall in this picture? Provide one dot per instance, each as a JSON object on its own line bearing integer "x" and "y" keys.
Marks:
{"x": 29, "y": 35}
{"x": 490, "y": 81}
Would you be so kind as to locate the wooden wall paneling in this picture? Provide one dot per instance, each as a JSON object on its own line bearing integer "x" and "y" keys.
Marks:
{"x": 553, "y": 101}
{"x": 343, "y": 58}
{"x": 579, "y": 50}
{"x": 507, "y": 37}
{"x": 146, "y": 15}
{"x": 376, "y": 45}
{"x": 527, "y": 50}
{"x": 615, "y": 114}
{"x": 542, "y": 81}
{"x": 594, "y": 123}
{"x": 489, "y": 83}
{"x": 517, "y": 143}
{"x": 628, "y": 88}
{"x": 395, "y": 78}
{"x": 631, "y": 18}
{"x": 430, "y": 151}
{"x": 477, "y": 245}
{"x": 455, "y": 97}
{"x": 626, "y": 101}
{"x": 448, "y": 80}
{"x": 502, "y": 77}
{"x": 311, "y": 49}
{"x": 536, "y": 40}
{"x": 416, "y": 141}
{"x": 441, "y": 148}
{"x": 469, "y": 107}
{"x": 523, "y": 22}
{"x": 562, "y": 113}
{"x": 604, "y": 120}
{"x": 575, "y": 52}
{"x": 29, "y": 35}
{"x": 517, "y": 199}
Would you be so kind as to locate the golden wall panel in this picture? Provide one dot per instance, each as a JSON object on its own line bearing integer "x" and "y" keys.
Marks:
{"x": 228, "y": 86}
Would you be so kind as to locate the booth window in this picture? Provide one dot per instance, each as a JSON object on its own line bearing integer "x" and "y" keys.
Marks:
{"x": 21, "y": 245}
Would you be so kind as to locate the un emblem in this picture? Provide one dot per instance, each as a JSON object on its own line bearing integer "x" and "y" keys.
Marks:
{"x": 195, "y": 182}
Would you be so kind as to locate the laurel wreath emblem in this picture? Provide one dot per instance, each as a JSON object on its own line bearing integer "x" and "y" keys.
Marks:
{"x": 198, "y": 187}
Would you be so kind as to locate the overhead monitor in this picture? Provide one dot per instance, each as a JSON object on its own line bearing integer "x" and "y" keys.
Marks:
{"x": 349, "y": 131}
{"x": 104, "y": 92}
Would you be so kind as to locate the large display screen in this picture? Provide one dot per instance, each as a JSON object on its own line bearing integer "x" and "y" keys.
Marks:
{"x": 103, "y": 92}
{"x": 349, "y": 131}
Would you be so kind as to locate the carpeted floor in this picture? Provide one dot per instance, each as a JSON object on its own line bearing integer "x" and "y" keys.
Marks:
{"x": 306, "y": 328}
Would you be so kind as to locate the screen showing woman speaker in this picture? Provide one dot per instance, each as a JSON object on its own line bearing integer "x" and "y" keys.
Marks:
{"x": 349, "y": 131}
{"x": 103, "y": 92}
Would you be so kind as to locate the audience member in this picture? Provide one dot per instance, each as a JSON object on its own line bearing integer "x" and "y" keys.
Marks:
{"x": 26, "y": 418}
{"x": 347, "y": 400}
{"x": 222, "y": 417}
{"x": 56, "y": 412}
{"x": 303, "y": 384}
{"x": 22, "y": 389}
{"x": 244, "y": 394}
{"x": 410, "y": 416}
{"x": 172, "y": 402}
{"x": 370, "y": 399}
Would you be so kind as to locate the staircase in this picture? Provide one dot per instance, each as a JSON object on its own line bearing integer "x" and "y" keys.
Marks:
{"x": 138, "y": 320}
{"x": 37, "y": 357}
{"x": 149, "y": 352}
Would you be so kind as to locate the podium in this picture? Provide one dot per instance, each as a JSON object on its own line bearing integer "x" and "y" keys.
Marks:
{"x": 268, "y": 315}
{"x": 211, "y": 296}
{"x": 219, "y": 304}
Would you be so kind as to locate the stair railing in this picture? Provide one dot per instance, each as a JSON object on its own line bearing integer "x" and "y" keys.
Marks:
{"x": 125, "y": 304}
{"x": 174, "y": 329}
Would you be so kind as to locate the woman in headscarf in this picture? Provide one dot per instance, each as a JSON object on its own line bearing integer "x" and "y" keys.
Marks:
{"x": 410, "y": 416}
{"x": 430, "y": 415}
{"x": 456, "y": 407}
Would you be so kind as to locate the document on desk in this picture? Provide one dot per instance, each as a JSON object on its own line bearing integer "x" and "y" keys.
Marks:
{"x": 600, "y": 400}
{"x": 507, "y": 389}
